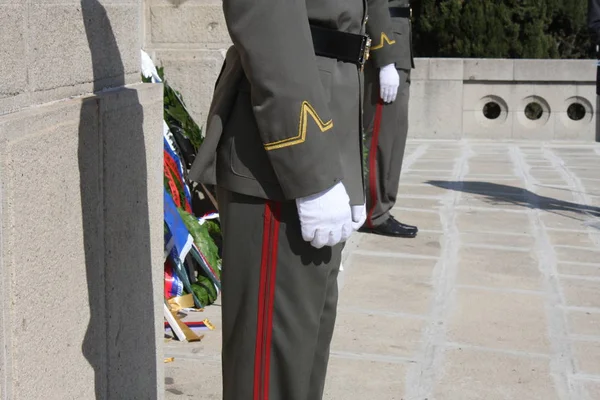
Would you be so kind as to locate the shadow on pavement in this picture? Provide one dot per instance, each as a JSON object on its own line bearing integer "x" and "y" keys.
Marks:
{"x": 498, "y": 195}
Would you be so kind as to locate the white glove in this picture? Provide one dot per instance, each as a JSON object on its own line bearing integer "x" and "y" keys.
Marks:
{"x": 359, "y": 216}
{"x": 325, "y": 218}
{"x": 389, "y": 80}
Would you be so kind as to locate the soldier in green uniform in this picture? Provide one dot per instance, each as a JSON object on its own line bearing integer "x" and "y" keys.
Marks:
{"x": 283, "y": 148}
{"x": 386, "y": 124}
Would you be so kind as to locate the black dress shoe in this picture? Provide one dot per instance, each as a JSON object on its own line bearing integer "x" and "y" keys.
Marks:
{"x": 393, "y": 228}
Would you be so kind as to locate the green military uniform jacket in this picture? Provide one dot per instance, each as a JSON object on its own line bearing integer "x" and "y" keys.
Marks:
{"x": 403, "y": 35}
{"x": 285, "y": 123}
{"x": 380, "y": 29}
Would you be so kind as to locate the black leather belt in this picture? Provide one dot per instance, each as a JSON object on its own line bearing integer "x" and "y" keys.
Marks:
{"x": 343, "y": 46}
{"x": 400, "y": 12}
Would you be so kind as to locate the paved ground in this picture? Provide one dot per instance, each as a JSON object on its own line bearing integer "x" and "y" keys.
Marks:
{"x": 497, "y": 299}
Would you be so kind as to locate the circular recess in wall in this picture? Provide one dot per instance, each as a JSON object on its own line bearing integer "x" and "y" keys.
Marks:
{"x": 491, "y": 111}
{"x": 533, "y": 112}
{"x": 578, "y": 112}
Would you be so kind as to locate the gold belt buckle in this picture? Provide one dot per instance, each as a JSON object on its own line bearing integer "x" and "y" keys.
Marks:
{"x": 366, "y": 53}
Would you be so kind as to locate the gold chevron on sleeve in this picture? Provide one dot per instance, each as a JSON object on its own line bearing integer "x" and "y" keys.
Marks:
{"x": 384, "y": 40}
{"x": 305, "y": 110}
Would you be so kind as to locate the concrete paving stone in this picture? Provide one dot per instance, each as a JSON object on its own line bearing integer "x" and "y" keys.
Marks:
{"x": 495, "y": 184}
{"x": 193, "y": 379}
{"x": 476, "y": 375}
{"x": 508, "y": 240}
{"x": 491, "y": 168}
{"x": 552, "y": 182}
{"x": 541, "y": 180}
{"x": 384, "y": 335}
{"x": 483, "y": 154}
{"x": 581, "y": 239}
{"x": 535, "y": 169}
{"x": 590, "y": 389}
{"x": 488, "y": 318}
{"x": 498, "y": 269}
{"x": 591, "y": 185}
{"x": 442, "y": 154}
{"x": 208, "y": 348}
{"x": 569, "y": 150}
{"x": 584, "y": 323}
{"x": 425, "y": 220}
{"x": 584, "y": 173}
{"x": 425, "y": 204}
{"x": 425, "y": 244}
{"x": 557, "y": 195}
{"x": 593, "y": 193}
{"x": 539, "y": 162}
{"x": 534, "y": 156}
{"x": 13, "y": 69}
{"x": 414, "y": 179}
{"x": 363, "y": 379}
{"x": 580, "y": 270}
{"x": 484, "y": 187}
{"x": 587, "y": 357}
{"x": 578, "y": 254}
{"x": 488, "y": 148}
{"x": 560, "y": 218}
{"x": 431, "y": 164}
{"x": 490, "y": 158}
{"x": 581, "y": 293}
{"x": 496, "y": 200}
{"x": 493, "y": 221}
{"x": 493, "y": 178}
{"x": 422, "y": 190}
{"x": 445, "y": 145}
{"x": 389, "y": 284}
{"x": 593, "y": 206}
{"x": 432, "y": 174}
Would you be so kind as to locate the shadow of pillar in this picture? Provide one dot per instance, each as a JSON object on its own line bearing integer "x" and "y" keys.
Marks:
{"x": 120, "y": 342}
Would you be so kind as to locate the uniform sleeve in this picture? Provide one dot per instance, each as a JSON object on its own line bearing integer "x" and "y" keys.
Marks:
{"x": 594, "y": 19}
{"x": 289, "y": 101}
{"x": 379, "y": 28}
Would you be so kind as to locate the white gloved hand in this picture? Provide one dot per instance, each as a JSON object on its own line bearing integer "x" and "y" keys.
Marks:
{"x": 359, "y": 216}
{"x": 325, "y": 218}
{"x": 389, "y": 80}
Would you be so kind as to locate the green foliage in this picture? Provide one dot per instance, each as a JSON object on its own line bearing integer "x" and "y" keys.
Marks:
{"x": 501, "y": 28}
{"x": 202, "y": 239}
{"x": 204, "y": 290}
{"x": 176, "y": 114}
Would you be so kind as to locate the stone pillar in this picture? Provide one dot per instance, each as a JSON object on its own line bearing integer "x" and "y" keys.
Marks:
{"x": 80, "y": 204}
{"x": 189, "y": 39}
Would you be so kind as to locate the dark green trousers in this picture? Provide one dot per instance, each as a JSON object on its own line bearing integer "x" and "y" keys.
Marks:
{"x": 279, "y": 302}
{"x": 386, "y": 129}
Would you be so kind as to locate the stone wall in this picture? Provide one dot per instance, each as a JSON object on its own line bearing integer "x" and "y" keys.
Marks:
{"x": 80, "y": 204}
{"x": 448, "y": 97}
{"x": 189, "y": 38}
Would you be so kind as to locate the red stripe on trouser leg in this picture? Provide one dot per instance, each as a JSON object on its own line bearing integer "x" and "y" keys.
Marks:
{"x": 266, "y": 296}
{"x": 276, "y": 210}
{"x": 373, "y": 162}
{"x": 258, "y": 355}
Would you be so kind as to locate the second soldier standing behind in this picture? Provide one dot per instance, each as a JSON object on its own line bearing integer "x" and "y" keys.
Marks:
{"x": 386, "y": 120}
